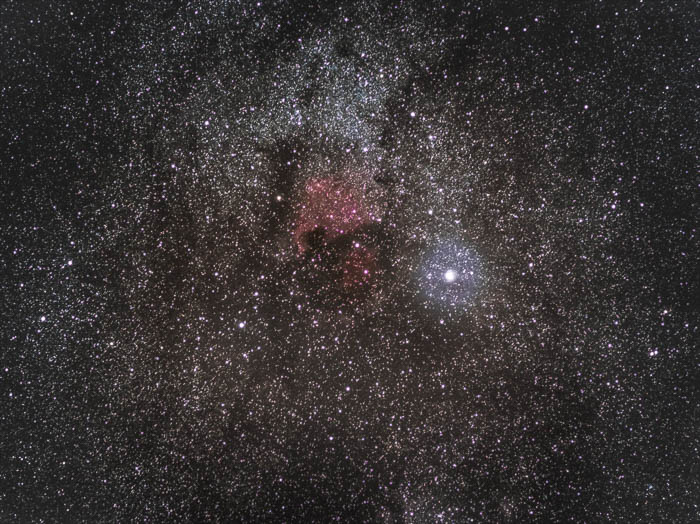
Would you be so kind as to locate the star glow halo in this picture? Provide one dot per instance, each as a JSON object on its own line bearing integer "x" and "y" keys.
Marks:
{"x": 450, "y": 274}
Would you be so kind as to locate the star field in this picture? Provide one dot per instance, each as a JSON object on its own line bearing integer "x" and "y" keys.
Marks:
{"x": 352, "y": 262}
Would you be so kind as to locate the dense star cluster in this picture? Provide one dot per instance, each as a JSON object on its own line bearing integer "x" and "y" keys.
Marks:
{"x": 308, "y": 261}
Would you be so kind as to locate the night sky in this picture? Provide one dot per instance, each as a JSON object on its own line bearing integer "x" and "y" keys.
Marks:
{"x": 313, "y": 261}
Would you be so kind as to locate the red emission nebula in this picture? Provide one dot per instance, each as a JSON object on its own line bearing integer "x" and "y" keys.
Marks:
{"x": 335, "y": 211}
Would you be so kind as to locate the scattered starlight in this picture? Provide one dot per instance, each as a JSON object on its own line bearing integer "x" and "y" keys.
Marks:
{"x": 354, "y": 262}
